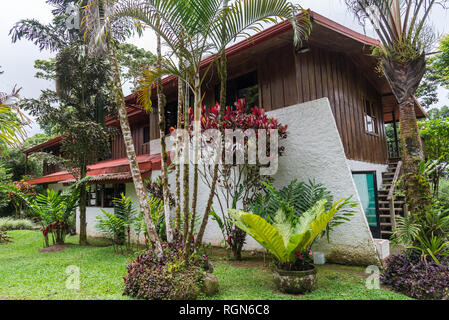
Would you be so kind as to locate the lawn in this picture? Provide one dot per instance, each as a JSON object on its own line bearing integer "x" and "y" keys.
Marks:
{"x": 26, "y": 273}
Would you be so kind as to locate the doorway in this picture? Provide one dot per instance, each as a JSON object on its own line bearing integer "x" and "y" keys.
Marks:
{"x": 367, "y": 188}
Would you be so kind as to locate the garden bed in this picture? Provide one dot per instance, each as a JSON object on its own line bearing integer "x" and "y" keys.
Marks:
{"x": 27, "y": 274}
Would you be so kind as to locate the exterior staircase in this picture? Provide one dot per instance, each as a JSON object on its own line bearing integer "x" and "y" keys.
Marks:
{"x": 389, "y": 205}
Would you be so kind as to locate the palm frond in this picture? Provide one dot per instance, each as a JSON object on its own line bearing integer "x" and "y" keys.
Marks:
{"x": 245, "y": 16}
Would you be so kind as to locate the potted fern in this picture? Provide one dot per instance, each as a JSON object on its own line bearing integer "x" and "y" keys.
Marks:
{"x": 289, "y": 239}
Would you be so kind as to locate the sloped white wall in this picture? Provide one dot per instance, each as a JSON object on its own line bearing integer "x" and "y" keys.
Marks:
{"x": 314, "y": 151}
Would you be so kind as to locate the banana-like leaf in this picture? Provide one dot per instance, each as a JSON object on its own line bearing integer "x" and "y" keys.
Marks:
{"x": 267, "y": 235}
{"x": 284, "y": 226}
{"x": 309, "y": 226}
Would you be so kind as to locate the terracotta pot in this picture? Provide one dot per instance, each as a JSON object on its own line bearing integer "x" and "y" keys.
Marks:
{"x": 295, "y": 282}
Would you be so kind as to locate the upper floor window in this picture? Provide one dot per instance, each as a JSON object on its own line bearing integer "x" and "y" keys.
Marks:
{"x": 146, "y": 134}
{"x": 171, "y": 116}
{"x": 371, "y": 125}
{"x": 244, "y": 87}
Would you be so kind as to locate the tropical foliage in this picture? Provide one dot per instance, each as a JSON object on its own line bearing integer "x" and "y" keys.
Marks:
{"x": 16, "y": 224}
{"x": 299, "y": 196}
{"x": 169, "y": 277}
{"x": 117, "y": 226}
{"x": 426, "y": 236}
{"x": 55, "y": 212}
{"x": 191, "y": 29}
{"x": 239, "y": 181}
{"x": 416, "y": 277}
{"x": 436, "y": 137}
{"x": 405, "y": 35}
{"x": 12, "y": 121}
{"x": 288, "y": 237}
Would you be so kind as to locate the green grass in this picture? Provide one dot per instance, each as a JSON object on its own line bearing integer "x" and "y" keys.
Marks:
{"x": 27, "y": 274}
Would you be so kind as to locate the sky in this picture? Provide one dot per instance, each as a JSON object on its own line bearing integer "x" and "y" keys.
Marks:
{"x": 17, "y": 60}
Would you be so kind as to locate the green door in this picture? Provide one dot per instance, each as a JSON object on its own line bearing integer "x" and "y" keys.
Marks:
{"x": 366, "y": 187}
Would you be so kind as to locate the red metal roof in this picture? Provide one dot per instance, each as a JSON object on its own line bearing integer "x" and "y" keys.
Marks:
{"x": 106, "y": 169}
{"x": 47, "y": 144}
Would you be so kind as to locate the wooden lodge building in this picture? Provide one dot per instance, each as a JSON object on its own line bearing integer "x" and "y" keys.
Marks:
{"x": 335, "y": 63}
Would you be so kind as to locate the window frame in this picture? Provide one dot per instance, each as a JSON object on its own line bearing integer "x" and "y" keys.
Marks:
{"x": 370, "y": 115}
{"x": 100, "y": 194}
{"x": 238, "y": 84}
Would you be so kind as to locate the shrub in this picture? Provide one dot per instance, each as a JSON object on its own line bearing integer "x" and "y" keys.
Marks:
{"x": 416, "y": 277}
{"x": 240, "y": 181}
{"x": 426, "y": 234}
{"x": 117, "y": 226}
{"x": 4, "y": 238}
{"x": 167, "y": 278}
{"x": 289, "y": 239}
{"x": 443, "y": 194}
{"x": 16, "y": 224}
{"x": 55, "y": 212}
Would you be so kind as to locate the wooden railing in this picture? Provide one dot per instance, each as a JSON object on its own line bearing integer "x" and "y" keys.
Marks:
{"x": 390, "y": 197}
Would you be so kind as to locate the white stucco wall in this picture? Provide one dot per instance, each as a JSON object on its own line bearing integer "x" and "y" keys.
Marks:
{"x": 313, "y": 151}
{"x": 367, "y": 166}
{"x": 91, "y": 218}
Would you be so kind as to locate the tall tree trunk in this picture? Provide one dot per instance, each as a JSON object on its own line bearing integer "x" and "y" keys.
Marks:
{"x": 83, "y": 224}
{"x": 164, "y": 163}
{"x": 417, "y": 186}
{"x": 223, "y": 79}
{"x": 186, "y": 167}
{"x": 196, "y": 155}
{"x": 82, "y": 206}
{"x": 131, "y": 153}
{"x": 404, "y": 79}
{"x": 178, "y": 148}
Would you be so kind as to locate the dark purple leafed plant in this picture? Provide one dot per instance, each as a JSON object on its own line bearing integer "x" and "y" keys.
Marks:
{"x": 167, "y": 278}
{"x": 417, "y": 277}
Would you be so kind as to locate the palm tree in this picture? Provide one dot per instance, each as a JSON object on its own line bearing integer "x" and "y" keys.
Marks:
{"x": 11, "y": 121}
{"x": 402, "y": 27}
{"x": 98, "y": 27}
{"x": 191, "y": 29}
{"x": 229, "y": 28}
{"x": 164, "y": 156}
{"x": 57, "y": 36}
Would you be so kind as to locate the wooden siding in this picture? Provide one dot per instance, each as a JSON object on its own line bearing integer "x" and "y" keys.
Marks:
{"x": 286, "y": 78}
{"x": 137, "y": 129}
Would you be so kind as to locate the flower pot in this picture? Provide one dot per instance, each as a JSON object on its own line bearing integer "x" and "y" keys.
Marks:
{"x": 295, "y": 282}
